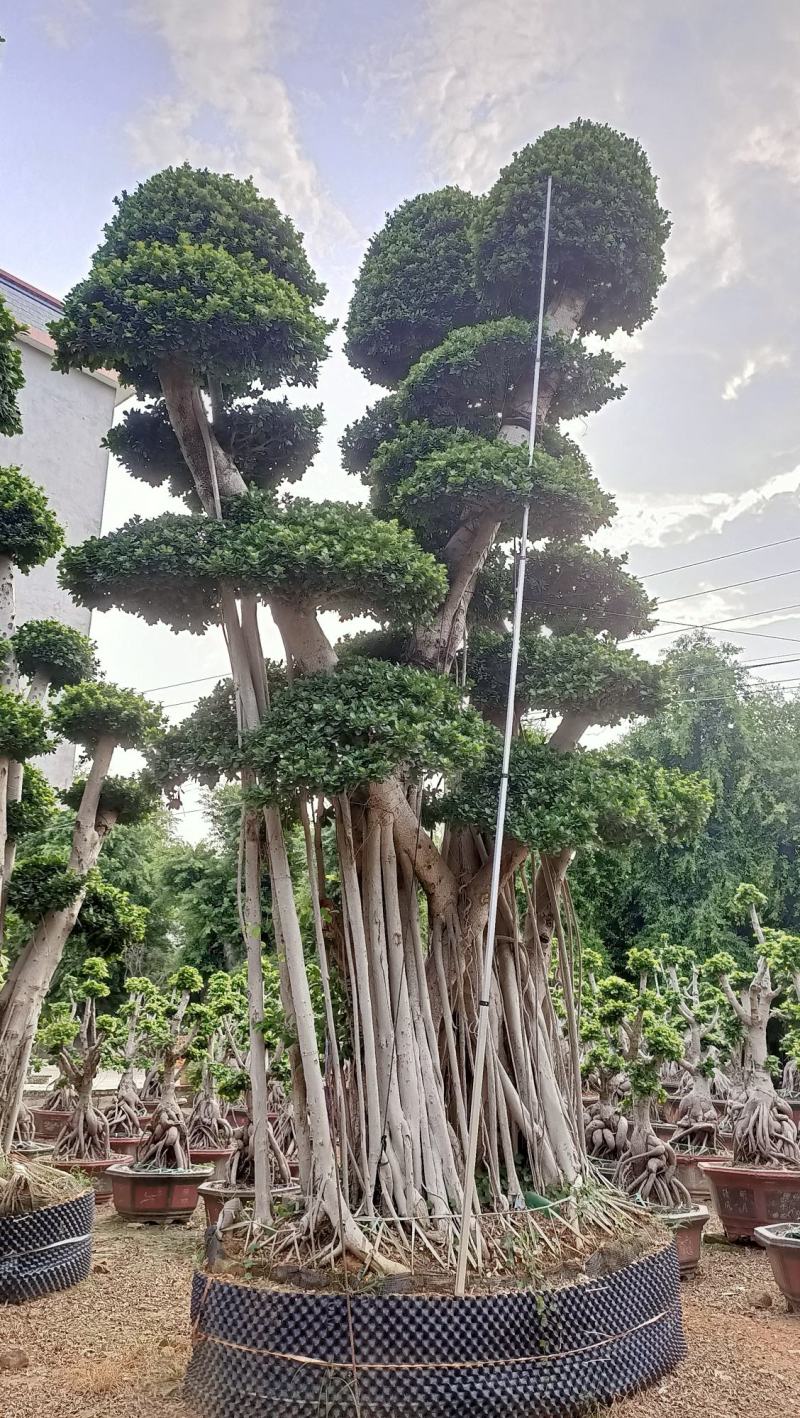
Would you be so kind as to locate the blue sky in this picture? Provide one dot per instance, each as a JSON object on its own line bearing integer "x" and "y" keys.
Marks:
{"x": 342, "y": 110}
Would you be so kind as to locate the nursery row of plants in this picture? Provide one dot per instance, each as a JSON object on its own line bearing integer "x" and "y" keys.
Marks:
{"x": 369, "y": 770}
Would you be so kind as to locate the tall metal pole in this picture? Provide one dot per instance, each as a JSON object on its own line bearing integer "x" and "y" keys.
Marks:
{"x": 494, "y": 891}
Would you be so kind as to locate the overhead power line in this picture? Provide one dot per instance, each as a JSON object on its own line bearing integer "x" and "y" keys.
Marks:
{"x": 731, "y": 586}
{"x": 723, "y": 556}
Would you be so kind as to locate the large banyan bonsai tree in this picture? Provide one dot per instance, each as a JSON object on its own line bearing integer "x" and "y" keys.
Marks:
{"x": 202, "y": 297}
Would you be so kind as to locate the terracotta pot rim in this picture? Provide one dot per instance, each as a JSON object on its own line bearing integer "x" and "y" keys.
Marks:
{"x": 212, "y": 1188}
{"x": 153, "y": 1174}
{"x": 697, "y": 1157}
{"x": 770, "y": 1235}
{"x": 746, "y": 1169}
{"x": 82, "y": 1164}
{"x": 211, "y": 1154}
{"x": 698, "y": 1212}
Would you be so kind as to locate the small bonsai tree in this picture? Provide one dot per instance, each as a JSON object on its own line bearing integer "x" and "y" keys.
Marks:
{"x": 125, "y": 1042}
{"x": 764, "y": 1134}
{"x": 165, "y": 1142}
{"x": 85, "y": 1136}
{"x": 647, "y": 1169}
{"x": 698, "y": 1008}
{"x": 207, "y": 1125}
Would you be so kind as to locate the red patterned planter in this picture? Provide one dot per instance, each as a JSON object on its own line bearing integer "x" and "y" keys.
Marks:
{"x": 217, "y": 1156}
{"x": 36, "y": 1151}
{"x": 745, "y": 1198}
{"x": 215, "y": 1194}
{"x": 695, "y": 1181}
{"x": 49, "y": 1122}
{"x": 125, "y": 1146}
{"x": 687, "y": 1227}
{"x": 166, "y": 1195}
{"x": 784, "y": 1257}
{"x": 97, "y": 1172}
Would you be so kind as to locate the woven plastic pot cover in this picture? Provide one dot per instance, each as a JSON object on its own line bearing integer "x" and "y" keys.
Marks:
{"x": 517, "y": 1355}
{"x": 46, "y": 1250}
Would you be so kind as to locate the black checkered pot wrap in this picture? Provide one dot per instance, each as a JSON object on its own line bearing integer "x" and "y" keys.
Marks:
{"x": 526, "y": 1353}
{"x": 46, "y": 1250}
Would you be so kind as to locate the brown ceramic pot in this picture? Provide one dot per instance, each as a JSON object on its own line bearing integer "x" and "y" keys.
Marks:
{"x": 164, "y": 1195}
{"x": 745, "y": 1198}
{"x": 96, "y": 1171}
{"x": 215, "y": 1194}
{"x": 695, "y": 1181}
{"x": 49, "y": 1122}
{"x": 784, "y": 1257}
{"x": 217, "y": 1156}
{"x": 687, "y": 1227}
{"x": 125, "y": 1146}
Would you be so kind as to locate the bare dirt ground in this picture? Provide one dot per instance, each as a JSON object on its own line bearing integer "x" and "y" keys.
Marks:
{"x": 117, "y": 1346}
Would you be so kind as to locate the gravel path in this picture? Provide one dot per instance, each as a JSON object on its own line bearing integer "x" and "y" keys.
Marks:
{"x": 117, "y": 1346}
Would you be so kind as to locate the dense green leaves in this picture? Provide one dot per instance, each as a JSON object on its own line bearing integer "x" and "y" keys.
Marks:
{"x": 743, "y": 738}
{"x": 416, "y": 283}
{"x": 325, "y": 554}
{"x": 579, "y": 799}
{"x": 571, "y": 588}
{"x": 435, "y": 478}
{"x": 197, "y": 267}
{"x": 212, "y": 208}
{"x": 35, "y": 806}
{"x": 129, "y": 800}
{"x": 23, "y": 727}
{"x": 43, "y": 882}
{"x": 11, "y": 376}
{"x": 57, "y": 651}
{"x": 559, "y": 674}
{"x": 268, "y": 439}
{"x": 338, "y": 732}
{"x": 228, "y": 317}
{"x": 162, "y": 569}
{"x": 85, "y": 713}
{"x": 607, "y": 230}
{"x": 362, "y": 438}
{"x": 203, "y": 746}
{"x": 468, "y": 379}
{"x": 29, "y": 532}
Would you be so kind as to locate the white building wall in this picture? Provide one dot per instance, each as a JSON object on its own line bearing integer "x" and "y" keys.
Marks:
{"x": 64, "y": 419}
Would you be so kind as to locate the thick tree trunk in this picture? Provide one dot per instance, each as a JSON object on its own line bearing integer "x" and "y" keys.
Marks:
{"x": 262, "y": 1212}
{"x": 25, "y": 989}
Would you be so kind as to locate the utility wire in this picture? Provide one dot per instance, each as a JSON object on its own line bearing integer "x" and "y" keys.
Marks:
{"x": 723, "y": 556}
{"x": 731, "y": 586}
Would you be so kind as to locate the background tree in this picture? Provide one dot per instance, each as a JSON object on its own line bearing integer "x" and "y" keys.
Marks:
{"x": 744, "y": 737}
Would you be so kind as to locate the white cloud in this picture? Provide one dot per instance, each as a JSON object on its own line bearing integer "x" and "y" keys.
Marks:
{"x": 223, "y": 59}
{"x": 649, "y": 520}
{"x": 762, "y": 360}
{"x": 61, "y": 20}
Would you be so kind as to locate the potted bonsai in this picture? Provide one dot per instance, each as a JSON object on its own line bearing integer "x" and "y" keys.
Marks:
{"x": 127, "y": 1112}
{"x": 83, "y": 1143}
{"x": 698, "y": 1008}
{"x": 647, "y": 1170}
{"x": 202, "y": 294}
{"x": 209, "y": 1132}
{"x": 161, "y": 1184}
{"x": 60, "y": 1099}
{"x": 233, "y": 1083}
{"x": 762, "y": 1183}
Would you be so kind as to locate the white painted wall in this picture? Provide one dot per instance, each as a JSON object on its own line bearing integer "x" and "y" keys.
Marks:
{"x": 64, "y": 418}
